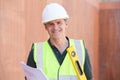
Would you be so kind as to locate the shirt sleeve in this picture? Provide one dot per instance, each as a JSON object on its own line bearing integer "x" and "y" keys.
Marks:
{"x": 30, "y": 60}
{"x": 87, "y": 66}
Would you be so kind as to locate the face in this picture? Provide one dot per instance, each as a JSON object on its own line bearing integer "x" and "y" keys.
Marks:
{"x": 56, "y": 28}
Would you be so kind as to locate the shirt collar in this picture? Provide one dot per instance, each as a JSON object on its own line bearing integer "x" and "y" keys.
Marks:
{"x": 54, "y": 46}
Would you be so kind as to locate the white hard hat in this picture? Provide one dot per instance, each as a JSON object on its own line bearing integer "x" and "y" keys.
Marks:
{"x": 53, "y": 11}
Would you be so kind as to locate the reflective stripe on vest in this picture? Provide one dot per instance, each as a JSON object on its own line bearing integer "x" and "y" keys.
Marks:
{"x": 39, "y": 49}
{"x": 66, "y": 78}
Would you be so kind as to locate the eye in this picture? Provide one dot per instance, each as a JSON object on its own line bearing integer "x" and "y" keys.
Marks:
{"x": 50, "y": 24}
{"x": 59, "y": 22}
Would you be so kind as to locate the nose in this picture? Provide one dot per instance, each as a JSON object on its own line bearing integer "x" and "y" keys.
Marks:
{"x": 55, "y": 26}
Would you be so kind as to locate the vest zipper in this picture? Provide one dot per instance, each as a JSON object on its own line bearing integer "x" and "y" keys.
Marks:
{"x": 58, "y": 73}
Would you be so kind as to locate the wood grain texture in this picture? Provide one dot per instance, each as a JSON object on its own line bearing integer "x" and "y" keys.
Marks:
{"x": 20, "y": 26}
{"x": 109, "y": 44}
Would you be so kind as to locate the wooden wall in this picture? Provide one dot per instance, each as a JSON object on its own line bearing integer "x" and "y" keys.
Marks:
{"x": 20, "y": 26}
{"x": 12, "y": 38}
{"x": 109, "y": 41}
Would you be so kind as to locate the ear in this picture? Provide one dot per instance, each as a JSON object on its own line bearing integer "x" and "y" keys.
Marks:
{"x": 45, "y": 27}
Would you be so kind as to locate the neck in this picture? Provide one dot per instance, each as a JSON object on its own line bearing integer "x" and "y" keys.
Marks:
{"x": 61, "y": 44}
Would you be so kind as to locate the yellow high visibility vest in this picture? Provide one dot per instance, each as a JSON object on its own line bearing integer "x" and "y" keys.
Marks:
{"x": 46, "y": 60}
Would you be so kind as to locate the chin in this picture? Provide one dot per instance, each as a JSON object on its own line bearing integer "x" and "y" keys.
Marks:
{"x": 56, "y": 37}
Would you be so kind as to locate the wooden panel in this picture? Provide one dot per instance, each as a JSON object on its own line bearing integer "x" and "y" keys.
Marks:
{"x": 109, "y": 44}
{"x": 20, "y": 26}
{"x": 12, "y": 35}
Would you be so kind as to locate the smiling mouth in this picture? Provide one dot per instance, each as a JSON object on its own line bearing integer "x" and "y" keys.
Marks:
{"x": 56, "y": 31}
